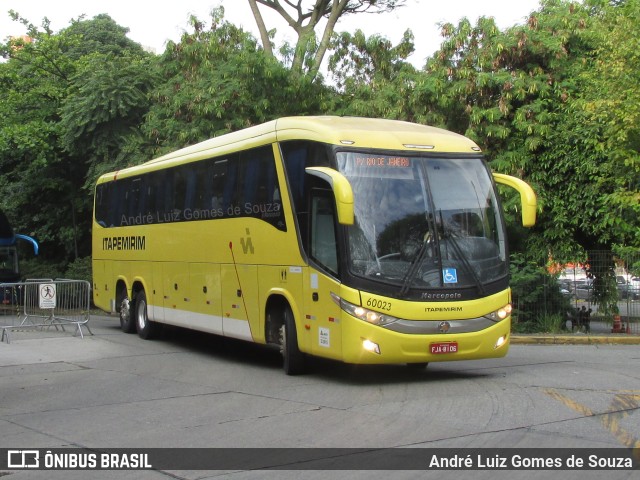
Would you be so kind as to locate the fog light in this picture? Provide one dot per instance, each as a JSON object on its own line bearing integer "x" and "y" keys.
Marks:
{"x": 500, "y": 342}
{"x": 369, "y": 346}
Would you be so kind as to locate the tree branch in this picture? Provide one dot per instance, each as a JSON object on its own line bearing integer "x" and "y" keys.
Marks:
{"x": 336, "y": 12}
{"x": 306, "y": 22}
{"x": 275, "y": 5}
{"x": 264, "y": 34}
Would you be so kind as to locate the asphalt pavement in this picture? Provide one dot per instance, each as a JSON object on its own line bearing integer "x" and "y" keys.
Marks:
{"x": 112, "y": 391}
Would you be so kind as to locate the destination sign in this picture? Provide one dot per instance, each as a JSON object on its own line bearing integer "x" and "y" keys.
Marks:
{"x": 382, "y": 161}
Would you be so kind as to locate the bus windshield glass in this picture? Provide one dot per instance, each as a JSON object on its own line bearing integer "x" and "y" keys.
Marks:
{"x": 424, "y": 222}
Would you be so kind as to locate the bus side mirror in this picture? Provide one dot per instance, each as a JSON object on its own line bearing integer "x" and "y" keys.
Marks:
{"x": 528, "y": 199}
{"x": 342, "y": 192}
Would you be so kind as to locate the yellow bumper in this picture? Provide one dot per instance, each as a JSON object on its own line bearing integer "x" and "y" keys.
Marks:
{"x": 397, "y": 347}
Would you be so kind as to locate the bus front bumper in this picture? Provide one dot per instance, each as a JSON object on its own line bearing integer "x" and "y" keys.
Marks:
{"x": 364, "y": 343}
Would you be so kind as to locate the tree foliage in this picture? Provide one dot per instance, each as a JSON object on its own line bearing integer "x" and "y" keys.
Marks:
{"x": 373, "y": 75}
{"x": 216, "y": 80}
{"x": 104, "y": 110}
{"x": 533, "y": 287}
{"x": 610, "y": 105}
{"x": 553, "y": 101}
{"x": 522, "y": 95}
{"x": 35, "y": 169}
{"x": 52, "y": 128}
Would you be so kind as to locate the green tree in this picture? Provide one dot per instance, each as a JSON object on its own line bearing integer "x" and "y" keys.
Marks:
{"x": 609, "y": 106}
{"x": 36, "y": 191}
{"x": 538, "y": 302}
{"x": 373, "y": 75}
{"x": 53, "y": 129}
{"x": 521, "y": 95}
{"x": 217, "y": 80}
{"x": 102, "y": 115}
{"x": 542, "y": 100}
{"x": 101, "y": 35}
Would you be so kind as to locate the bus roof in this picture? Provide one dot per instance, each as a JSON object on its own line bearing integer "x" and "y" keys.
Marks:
{"x": 347, "y": 131}
{"x": 374, "y": 133}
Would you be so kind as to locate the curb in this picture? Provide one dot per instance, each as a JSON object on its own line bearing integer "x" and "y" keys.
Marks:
{"x": 621, "y": 339}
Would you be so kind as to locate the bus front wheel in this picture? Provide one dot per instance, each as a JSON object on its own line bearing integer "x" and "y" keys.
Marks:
{"x": 293, "y": 359}
{"x": 146, "y": 328}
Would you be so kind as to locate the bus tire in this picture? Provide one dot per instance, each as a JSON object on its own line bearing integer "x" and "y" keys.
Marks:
{"x": 146, "y": 328}
{"x": 293, "y": 359}
{"x": 127, "y": 323}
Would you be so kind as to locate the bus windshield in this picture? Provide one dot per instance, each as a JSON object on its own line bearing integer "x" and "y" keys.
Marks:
{"x": 424, "y": 222}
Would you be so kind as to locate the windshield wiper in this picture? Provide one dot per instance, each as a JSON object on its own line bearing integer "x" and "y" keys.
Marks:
{"x": 414, "y": 268}
{"x": 450, "y": 235}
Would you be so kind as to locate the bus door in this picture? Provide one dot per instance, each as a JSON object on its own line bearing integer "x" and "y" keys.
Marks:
{"x": 240, "y": 312}
{"x": 322, "y": 314}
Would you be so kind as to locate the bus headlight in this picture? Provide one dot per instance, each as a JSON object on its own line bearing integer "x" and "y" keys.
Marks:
{"x": 370, "y": 316}
{"x": 501, "y": 313}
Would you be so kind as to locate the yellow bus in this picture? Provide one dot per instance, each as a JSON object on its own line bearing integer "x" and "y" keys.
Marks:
{"x": 367, "y": 241}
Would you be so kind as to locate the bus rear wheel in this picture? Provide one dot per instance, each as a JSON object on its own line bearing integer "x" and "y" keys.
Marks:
{"x": 146, "y": 328}
{"x": 127, "y": 324}
{"x": 293, "y": 359}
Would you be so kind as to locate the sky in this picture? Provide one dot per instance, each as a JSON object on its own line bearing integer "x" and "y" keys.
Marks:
{"x": 152, "y": 23}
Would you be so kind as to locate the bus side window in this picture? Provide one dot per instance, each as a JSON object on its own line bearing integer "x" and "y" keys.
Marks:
{"x": 179, "y": 194}
{"x": 204, "y": 186}
{"x": 258, "y": 176}
{"x": 117, "y": 192}
{"x": 135, "y": 196}
{"x": 218, "y": 181}
{"x": 102, "y": 204}
{"x": 323, "y": 244}
{"x": 297, "y": 155}
{"x": 163, "y": 187}
{"x": 190, "y": 187}
{"x": 229, "y": 195}
{"x": 257, "y": 193}
{"x": 296, "y": 161}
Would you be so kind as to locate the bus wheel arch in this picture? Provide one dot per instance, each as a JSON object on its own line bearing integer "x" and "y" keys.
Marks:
{"x": 124, "y": 307}
{"x": 274, "y": 318}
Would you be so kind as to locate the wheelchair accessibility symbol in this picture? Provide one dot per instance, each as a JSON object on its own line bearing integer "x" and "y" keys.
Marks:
{"x": 450, "y": 275}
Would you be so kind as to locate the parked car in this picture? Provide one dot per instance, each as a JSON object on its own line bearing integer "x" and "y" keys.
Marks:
{"x": 584, "y": 289}
{"x": 628, "y": 288}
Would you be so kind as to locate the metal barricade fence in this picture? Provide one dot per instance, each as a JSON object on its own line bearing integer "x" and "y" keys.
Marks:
{"x": 44, "y": 303}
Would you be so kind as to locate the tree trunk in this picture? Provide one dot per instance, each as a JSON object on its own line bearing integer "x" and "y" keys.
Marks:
{"x": 264, "y": 34}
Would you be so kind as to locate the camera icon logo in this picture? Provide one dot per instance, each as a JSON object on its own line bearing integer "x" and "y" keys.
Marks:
{"x": 23, "y": 459}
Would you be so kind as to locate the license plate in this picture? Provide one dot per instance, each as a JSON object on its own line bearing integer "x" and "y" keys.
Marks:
{"x": 448, "y": 347}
